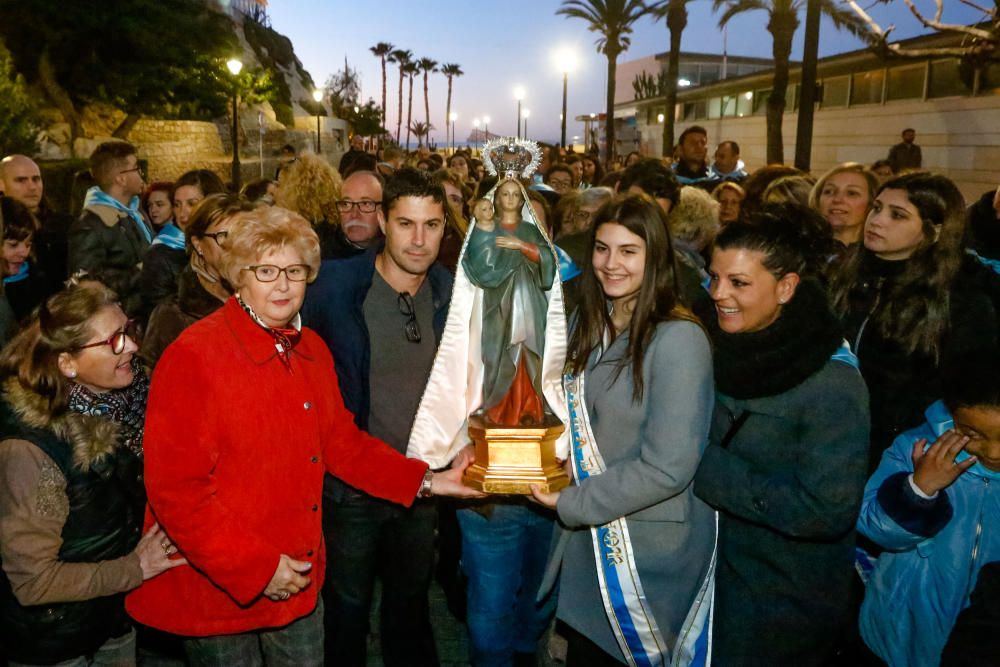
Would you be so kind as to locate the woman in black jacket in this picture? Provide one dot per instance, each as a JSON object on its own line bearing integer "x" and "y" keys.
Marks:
{"x": 785, "y": 462}
{"x": 912, "y": 300}
{"x": 72, "y": 402}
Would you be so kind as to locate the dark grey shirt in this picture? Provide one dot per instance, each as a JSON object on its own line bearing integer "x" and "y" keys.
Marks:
{"x": 399, "y": 368}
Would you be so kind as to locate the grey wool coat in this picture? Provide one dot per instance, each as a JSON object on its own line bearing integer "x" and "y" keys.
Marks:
{"x": 788, "y": 489}
{"x": 651, "y": 448}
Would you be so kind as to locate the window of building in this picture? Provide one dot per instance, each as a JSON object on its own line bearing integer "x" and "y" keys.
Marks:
{"x": 866, "y": 87}
{"x": 652, "y": 115}
{"x": 835, "y": 92}
{"x": 906, "y": 83}
{"x": 709, "y": 73}
{"x": 744, "y": 104}
{"x": 989, "y": 80}
{"x": 760, "y": 100}
{"x": 729, "y": 106}
{"x": 715, "y": 107}
{"x": 947, "y": 79}
{"x": 694, "y": 110}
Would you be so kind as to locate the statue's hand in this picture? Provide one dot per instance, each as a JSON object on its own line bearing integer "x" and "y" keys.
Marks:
{"x": 510, "y": 243}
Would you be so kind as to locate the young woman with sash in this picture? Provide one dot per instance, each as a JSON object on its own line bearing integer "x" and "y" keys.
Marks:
{"x": 635, "y": 545}
{"x": 786, "y": 463}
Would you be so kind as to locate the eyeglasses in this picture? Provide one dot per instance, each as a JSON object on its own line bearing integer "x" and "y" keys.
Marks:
{"x": 582, "y": 216}
{"x": 137, "y": 169}
{"x": 559, "y": 183}
{"x": 118, "y": 339}
{"x": 268, "y": 273}
{"x": 219, "y": 237}
{"x": 366, "y": 206}
{"x": 412, "y": 328}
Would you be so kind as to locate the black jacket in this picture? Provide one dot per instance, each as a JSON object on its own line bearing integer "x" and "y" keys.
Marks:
{"x": 106, "y": 501}
{"x": 901, "y": 384}
{"x": 108, "y": 245}
{"x": 158, "y": 279}
{"x": 983, "y": 230}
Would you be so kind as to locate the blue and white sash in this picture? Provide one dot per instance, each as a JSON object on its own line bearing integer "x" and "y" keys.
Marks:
{"x": 625, "y": 602}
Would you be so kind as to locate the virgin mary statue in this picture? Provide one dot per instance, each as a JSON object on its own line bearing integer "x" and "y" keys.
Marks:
{"x": 504, "y": 346}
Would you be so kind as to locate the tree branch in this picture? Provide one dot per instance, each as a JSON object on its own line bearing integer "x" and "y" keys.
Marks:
{"x": 935, "y": 23}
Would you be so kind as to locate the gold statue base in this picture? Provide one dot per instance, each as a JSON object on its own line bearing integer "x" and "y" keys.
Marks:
{"x": 511, "y": 458}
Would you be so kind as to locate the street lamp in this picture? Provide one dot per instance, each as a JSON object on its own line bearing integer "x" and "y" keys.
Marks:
{"x": 566, "y": 60}
{"x": 235, "y": 67}
{"x": 519, "y": 95}
{"x": 527, "y": 112}
{"x": 453, "y": 117}
{"x": 318, "y": 96}
{"x": 486, "y": 122}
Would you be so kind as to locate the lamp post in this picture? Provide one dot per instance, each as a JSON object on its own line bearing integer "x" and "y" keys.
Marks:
{"x": 235, "y": 67}
{"x": 519, "y": 95}
{"x": 486, "y": 122}
{"x": 318, "y": 96}
{"x": 567, "y": 63}
{"x": 453, "y": 118}
{"x": 527, "y": 112}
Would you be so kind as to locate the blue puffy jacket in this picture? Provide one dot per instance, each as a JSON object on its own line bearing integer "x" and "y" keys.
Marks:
{"x": 934, "y": 549}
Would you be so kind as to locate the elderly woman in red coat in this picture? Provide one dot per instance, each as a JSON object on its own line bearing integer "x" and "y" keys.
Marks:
{"x": 244, "y": 419}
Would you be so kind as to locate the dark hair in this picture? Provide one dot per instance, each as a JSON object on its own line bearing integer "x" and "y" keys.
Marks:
{"x": 917, "y": 305}
{"x": 255, "y": 190}
{"x": 972, "y": 380}
{"x": 757, "y": 182}
{"x": 572, "y": 158}
{"x": 693, "y": 129}
{"x": 657, "y": 299}
{"x": 882, "y": 163}
{"x": 207, "y": 181}
{"x": 107, "y": 159}
{"x": 156, "y": 186}
{"x": 598, "y": 169}
{"x": 909, "y": 129}
{"x": 792, "y": 238}
{"x": 410, "y": 182}
{"x": 60, "y": 324}
{"x": 652, "y": 177}
{"x": 732, "y": 144}
{"x": 18, "y": 222}
{"x": 212, "y": 209}
{"x": 558, "y": 166}
{"x": 287, "y": 149}
{"x": 358, "y": 162}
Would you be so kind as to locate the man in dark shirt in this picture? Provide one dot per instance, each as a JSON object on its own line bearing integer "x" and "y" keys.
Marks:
{"x": 692, "y": 166}
{"x": 906, "y": 154}
{"x": 21, "y": 179}
{"x": 382, "y": 314}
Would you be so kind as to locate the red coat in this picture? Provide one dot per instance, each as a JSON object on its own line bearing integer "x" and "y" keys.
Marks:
{"x": 236, "y": 450}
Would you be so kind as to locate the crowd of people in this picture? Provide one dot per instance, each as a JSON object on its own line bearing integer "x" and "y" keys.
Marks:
{"x": 207, "y": 396}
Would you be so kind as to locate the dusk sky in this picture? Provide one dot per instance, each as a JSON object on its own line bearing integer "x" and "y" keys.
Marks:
{"x": 503, "y": 45}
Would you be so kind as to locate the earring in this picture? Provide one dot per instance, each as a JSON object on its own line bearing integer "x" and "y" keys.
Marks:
{"x": 71, "y": 375}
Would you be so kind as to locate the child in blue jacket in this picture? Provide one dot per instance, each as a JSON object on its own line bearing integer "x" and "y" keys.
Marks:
{"x": 933, "y": 504}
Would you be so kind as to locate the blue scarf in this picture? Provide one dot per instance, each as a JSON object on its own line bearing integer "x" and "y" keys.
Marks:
{"x": 97, "y": 196}
{"x": 171, "y": 236}
{"x": 21, "y": 274}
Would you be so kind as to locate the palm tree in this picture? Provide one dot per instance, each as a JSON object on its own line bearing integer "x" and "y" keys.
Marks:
{"x": 420, "y": 130}
{"x": 427, "y": 66}
{"x": 613, "y": 21}
{"x": 676, "y": 14}
{"x": 382, "y": 51}
{"x": 450, "y": 70}
{"x": 400, "y": 57}
{"x": 411, "y": 69}
{"x": 783, "y": 21}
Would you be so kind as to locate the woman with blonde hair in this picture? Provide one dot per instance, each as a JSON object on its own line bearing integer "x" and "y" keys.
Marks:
{"x": 730, "y": 197}
{"x": 239, "y": 490}
{"x": 310, "y": 186}
{"x": 843, "y": 196}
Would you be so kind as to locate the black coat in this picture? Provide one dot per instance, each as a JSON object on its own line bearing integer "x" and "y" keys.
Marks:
{"x": 983, "y": 230}
{"x": 785, "y": 468}
{"x": 158, "y": 278}
{"x": 107, "y": 245}
{"x": 902, "y": 385}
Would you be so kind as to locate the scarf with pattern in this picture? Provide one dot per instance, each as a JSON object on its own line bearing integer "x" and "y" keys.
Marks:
{"x": 125, "y": 407}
